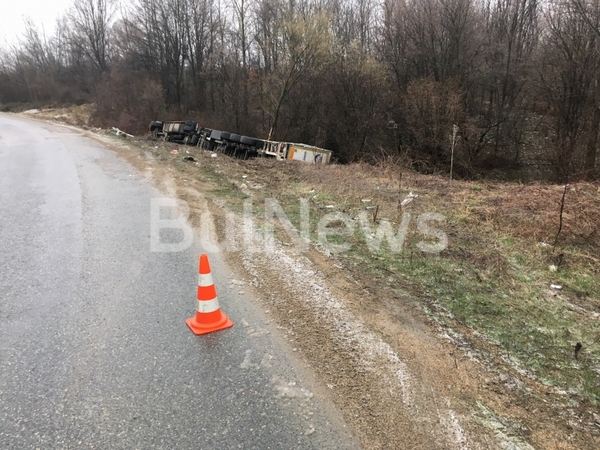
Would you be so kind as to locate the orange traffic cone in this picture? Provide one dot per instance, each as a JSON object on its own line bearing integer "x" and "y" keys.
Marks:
{"x": 208, "y": 316}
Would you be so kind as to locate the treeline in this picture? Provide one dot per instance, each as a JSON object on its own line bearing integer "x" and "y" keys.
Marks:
{"x": 367, "y": 79}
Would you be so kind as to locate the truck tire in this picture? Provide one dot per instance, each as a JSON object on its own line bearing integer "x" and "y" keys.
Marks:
{"x": 155, "y": 125}
{"x": 252, "y": 142}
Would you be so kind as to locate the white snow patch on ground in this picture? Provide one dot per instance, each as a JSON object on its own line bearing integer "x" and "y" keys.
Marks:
{"x": 289, "y": 389}
{"x": 351, "y": 332}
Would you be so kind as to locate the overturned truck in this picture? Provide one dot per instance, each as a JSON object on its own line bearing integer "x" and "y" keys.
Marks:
{"x": 192, "y": 133}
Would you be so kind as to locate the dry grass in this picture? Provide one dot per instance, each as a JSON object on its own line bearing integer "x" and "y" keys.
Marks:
{"x": 493, "y": 279}
{"x": 73, "y": 115}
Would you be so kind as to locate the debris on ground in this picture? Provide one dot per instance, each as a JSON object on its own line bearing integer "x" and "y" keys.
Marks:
{"x": 408, "y": 199}
{"x": 121, "y": 132}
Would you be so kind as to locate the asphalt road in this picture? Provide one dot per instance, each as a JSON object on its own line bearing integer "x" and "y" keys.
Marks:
{"x": 94, "y": 349}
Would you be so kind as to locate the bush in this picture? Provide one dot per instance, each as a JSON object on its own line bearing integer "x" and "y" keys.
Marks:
{"x": 127, "y": 100}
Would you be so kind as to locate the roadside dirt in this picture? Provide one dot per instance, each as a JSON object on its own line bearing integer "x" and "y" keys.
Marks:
{"x": 401, "y": 380}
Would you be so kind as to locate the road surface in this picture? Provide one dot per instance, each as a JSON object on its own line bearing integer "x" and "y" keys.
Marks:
{"x": 94, "y": 349}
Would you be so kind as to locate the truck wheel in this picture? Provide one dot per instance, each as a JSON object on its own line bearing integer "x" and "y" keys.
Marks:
{"x": 249, "y": 141}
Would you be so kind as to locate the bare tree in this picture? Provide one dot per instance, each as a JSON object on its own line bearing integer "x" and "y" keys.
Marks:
{"x": 443, "y": 37}
{"x": 393, "y": 45}
{"x": 161, "y": 32}
{"x": 353, "y": 23}
{"x": 356, "y": 102}
{"x": 91, "y": 20}
{"x": 568, "y": 76}
{"x": 268, "y": 20}
{"x": 590, "y": 12}
{"x": 306, "y": 43}
{"x": 199, "y": 36}
{"x": 35, "y": 62}
{"x": 510, "y": 38}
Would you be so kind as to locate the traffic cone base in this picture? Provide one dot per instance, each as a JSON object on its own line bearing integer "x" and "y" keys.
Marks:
{"x": 205, "y": 327}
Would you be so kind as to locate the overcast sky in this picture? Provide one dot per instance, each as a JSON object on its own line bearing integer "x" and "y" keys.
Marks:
{"x": 42, "y": 12}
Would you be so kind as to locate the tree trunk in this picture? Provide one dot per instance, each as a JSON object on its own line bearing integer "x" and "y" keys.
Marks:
{"x": 592, "y": 144}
